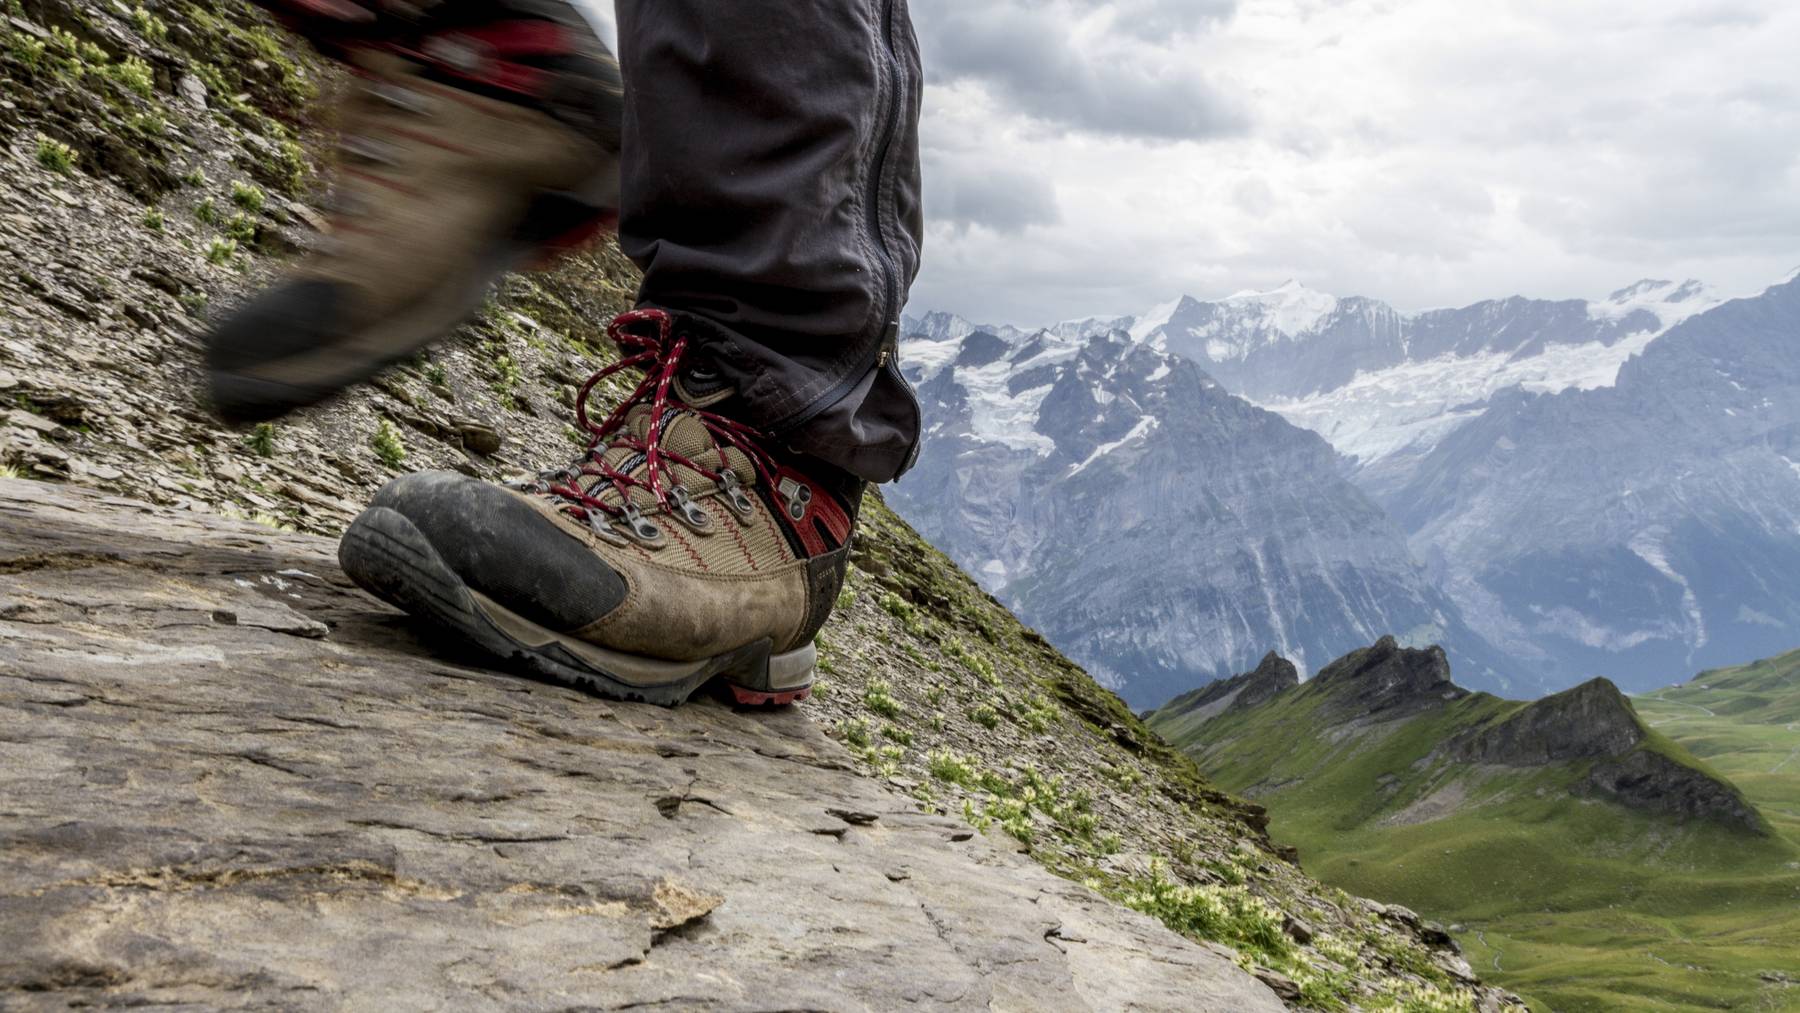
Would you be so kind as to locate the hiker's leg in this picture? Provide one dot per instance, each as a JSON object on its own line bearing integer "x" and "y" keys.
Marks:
{"x": 770, "y": 179}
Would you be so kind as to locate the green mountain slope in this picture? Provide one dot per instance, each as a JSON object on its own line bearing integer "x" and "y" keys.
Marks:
{"x": 1744, "y": 721}
{"x": 1591, "y": 862}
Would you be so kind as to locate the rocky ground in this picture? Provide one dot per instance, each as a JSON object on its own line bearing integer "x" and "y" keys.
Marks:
{"x": 230, "y": 780}
{"x": 111, "y": 268}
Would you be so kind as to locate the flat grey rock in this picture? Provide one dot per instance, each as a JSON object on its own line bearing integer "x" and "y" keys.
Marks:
{"x": 229, "y": 778}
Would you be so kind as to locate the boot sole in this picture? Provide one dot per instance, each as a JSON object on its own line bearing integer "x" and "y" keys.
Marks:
{"x": 244, "y": 398}
{"x": 388, "y": 556}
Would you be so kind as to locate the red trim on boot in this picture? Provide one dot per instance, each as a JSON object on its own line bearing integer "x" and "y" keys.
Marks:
{"x": 758, "y": 698}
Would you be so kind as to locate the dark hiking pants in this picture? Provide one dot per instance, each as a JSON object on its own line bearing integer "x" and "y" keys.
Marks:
{"x": 771, "y": 197}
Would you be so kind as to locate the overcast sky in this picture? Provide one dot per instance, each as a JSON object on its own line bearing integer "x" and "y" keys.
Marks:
{"x": 1096, "y": 157}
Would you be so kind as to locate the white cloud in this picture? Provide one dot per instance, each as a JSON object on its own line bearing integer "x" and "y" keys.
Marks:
{"x": 1099, "y": 157}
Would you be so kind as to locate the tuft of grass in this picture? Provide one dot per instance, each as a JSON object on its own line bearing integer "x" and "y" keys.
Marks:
{"x": 56, "y": 156}
{"x": 27, "y": 50}
{"x": 248, "y": 196}
{"x": 261, "y": 440}
{"x": 386, "y": 444}
{"x": 153, "y": 219}
{"x": 241, "y": 229}
{"x": 221, "y": 250}
{"x": 947, "y": 766}
{"x": 856, "y": 732}
{"x": 149, "y": 25}
{"x": 879, "y": 697}
{"x": 206, "y": 212}
{"x": 194, "y": 178}
{"x": 985, "y": 716}
{"x": 135, "y": 75}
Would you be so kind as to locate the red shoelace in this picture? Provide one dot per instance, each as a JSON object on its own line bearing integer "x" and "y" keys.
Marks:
{"x": 647, "y": 339}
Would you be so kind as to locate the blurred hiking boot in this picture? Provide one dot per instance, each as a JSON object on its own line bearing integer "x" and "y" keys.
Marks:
{"x": 680, "y": 548}
{"x": 477, "y": 140}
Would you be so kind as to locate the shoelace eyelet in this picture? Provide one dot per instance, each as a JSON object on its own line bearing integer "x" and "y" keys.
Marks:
{"x": 641, "y": 529}
{"x": 733, "y": 490}
{"x": 603, "y": 529}
{"x": 798, "y": 496}
{"x": 690, "y": 513}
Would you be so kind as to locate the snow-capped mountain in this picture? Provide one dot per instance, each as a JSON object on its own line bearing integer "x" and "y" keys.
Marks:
{"x": 1601, "y": 488}
{"x": 1156, "y": 527}
{"x": 1639, "y": 529}
{"x": 1385, "y": 387}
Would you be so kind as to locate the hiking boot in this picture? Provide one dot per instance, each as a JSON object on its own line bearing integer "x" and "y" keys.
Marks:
{"x": 681, "y": 547}
{"x": 488, "y": 146}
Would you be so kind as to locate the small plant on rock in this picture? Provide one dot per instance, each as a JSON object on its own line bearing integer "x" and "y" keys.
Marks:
{"x": 135, "y": 75}
{"x": 947, "y": 766}
{"x": 856, "y": 732}
{"x": 54, "y": 155}
{"x": 27, "y": 50}
{"x": 195, "y": 177}
{"x": 240, "y": 228}
{"x": 149, "y": 25}
{"x": 206, "y": 212}
{"x": 248, "y": 197}
{"x": 387, "y": 446}
{"x": 985, "y": 716}
{"x": 880, "y": 699}
{"x": 221, "y": 250}
{"x": 261, "y": 440}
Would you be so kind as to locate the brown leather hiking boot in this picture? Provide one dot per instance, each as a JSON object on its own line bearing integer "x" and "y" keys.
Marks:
{"x": 681, "y": 547}
{"x": 470, "y": 150}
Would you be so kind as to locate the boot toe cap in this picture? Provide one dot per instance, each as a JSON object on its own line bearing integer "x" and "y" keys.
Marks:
{"x": 498, "y": 545}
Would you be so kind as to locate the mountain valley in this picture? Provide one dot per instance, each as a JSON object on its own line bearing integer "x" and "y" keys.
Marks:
{"x": 1587, "y": 856}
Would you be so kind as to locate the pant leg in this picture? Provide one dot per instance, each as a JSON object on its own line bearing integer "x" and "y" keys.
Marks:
{"x": 770, "y": 194}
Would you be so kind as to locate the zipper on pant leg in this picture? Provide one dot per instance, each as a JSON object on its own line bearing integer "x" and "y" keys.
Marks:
{"x": 888, "y": 113}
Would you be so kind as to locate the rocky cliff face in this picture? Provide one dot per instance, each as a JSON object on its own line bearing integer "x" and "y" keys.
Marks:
{"x": 1161, "y": 530}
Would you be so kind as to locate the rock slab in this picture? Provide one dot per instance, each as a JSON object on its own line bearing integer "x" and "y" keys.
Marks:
{"x": 229, "y": 778}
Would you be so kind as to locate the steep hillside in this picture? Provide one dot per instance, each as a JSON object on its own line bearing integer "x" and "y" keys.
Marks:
{"x": 1161, "y": 530}
{"x": 1744, "y": 721}
{"x": 934, "y": 691}
{"x": 1590, "y": 862}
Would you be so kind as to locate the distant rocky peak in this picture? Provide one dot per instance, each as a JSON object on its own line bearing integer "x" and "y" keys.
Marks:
{"x": 1594, "y": 723}
{"x": 1594, "y": 719}
{"x": 1388, "y": 677}
{"x": 1273, "y": 677}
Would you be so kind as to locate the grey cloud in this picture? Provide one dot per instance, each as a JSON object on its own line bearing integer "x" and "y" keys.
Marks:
{"x": 1003, "y": 199}
{"x": 1025, "y": 53}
